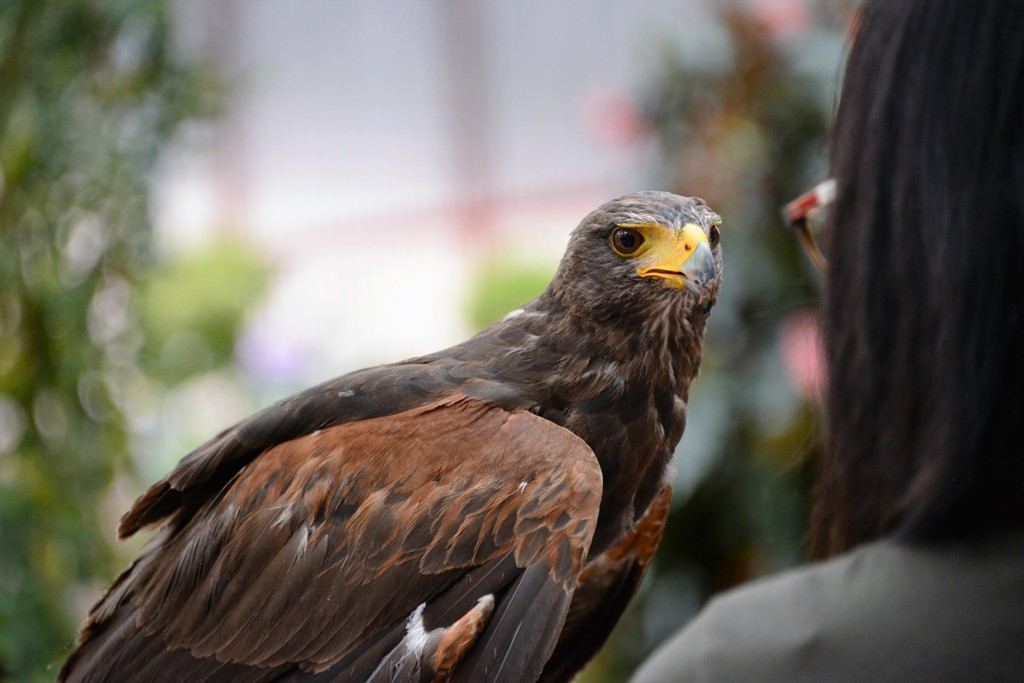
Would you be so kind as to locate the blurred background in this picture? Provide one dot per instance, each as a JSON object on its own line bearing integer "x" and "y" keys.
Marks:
{"x": 204, "y": 205}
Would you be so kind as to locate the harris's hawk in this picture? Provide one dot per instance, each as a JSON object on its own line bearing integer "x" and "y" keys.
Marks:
{"x": 484, "y": 513}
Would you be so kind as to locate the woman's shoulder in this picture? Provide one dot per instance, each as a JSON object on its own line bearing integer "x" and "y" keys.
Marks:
{"x": 885, "y": 611}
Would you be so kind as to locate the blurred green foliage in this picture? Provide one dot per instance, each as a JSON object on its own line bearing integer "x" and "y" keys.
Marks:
{"x": 90, "y": 91}
{"x": 503, "y": 284}
{"x": 191, "y": 309}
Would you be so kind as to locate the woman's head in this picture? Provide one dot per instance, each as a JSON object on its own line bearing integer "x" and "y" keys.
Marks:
{"x": 924, "y": 304}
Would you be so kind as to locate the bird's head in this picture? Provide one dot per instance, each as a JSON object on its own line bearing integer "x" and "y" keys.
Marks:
{"x": 640, "y": 253}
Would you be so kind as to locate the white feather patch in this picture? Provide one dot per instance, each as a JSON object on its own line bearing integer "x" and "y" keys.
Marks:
{"x": 415, "y": 633}
{"x": 283, "y": 517}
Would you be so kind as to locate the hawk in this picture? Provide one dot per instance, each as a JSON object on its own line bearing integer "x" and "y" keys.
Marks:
{"x": 483, "y": 513}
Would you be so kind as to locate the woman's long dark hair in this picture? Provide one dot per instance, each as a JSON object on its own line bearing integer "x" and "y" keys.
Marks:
{"x": 924, "y": 305}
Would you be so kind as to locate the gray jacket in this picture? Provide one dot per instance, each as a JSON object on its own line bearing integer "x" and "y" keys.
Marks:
{"x": 883, "y": 612}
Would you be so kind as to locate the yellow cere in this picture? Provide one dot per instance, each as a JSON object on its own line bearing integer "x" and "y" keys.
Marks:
{"x": 665, "y": 251}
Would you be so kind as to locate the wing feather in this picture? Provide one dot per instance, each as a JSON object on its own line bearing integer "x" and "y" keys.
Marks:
{"x": 607, "y": 585}
{"x": 313, "y": 557}
{"x": 522, "y": 632}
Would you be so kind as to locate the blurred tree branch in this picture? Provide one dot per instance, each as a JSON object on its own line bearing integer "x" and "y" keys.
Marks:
{"x": 90, "y": 92}
{"x": 9, "y": 67}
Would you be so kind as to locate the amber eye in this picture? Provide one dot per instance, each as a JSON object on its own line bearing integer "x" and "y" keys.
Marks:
{"x": 713, "y": 236}
{"x": 626, "y": 242}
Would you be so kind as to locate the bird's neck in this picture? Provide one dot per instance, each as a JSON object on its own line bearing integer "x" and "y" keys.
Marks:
{"x": 660, "y": 346}
{"x": 621, "y": 384}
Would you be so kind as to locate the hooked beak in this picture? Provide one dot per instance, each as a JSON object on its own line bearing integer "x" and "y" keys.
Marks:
{"x": 683, "y": 261}
{"x": 699, "y": 270}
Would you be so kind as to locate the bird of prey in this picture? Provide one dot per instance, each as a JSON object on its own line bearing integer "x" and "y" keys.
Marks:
{"x": 483, "y": 513}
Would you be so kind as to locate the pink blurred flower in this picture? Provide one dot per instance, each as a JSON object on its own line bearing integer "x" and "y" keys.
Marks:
{"x": 611, "y": 117}
{"x": 783, "y": 17}
{"x": 804, "y": 355}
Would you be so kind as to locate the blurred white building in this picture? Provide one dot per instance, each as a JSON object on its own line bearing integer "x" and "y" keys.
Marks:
{"x": 374, "y": 150}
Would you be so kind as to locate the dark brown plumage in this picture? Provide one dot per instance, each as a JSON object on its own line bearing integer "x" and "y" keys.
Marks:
{"x": 484, "y": 513}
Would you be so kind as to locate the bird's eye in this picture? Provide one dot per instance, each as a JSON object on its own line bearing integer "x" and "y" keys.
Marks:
{"x": 626, "y": 241}
{"x": 713, "y": 236}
